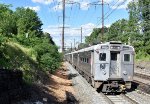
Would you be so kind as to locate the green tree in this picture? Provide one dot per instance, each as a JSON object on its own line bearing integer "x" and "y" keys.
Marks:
{"x": 136, "y": 39}
{"x": 7, "y": 20}
{"x": 96, "y": 36}
{"x": 28, "y": 22}
{"x": 48, "y": 36}
{"x": 118, "y": 31}
{"x": 47, "y": 55}
{"x": 144, "y": 6}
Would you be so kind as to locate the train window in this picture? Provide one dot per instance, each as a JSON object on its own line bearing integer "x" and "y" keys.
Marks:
{"x": 126, "y": 57}
{"x": 102, "y": 56}
{"x": 114, "y": 56}
{"x": 87, "y": 60}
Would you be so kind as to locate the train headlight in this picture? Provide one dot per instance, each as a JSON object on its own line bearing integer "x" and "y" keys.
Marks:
{"x": 129, "y": 77}
{"x": 124, "y": 72}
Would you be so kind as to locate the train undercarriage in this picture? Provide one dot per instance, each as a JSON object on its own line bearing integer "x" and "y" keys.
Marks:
{"x": 111, "y": 85}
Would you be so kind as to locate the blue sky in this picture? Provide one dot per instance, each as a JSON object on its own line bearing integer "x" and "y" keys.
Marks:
{"x": 86, "y": 15}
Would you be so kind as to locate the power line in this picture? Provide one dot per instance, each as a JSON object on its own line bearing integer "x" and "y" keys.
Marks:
{"x": 102, "y": 4}
{"x": 107, "y": 12}
{"x": 113, "y": 11}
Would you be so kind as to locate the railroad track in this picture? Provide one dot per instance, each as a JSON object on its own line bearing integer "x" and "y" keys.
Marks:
{"x": 141, "y": 79}
{"x": 91, "y": 96}
{"x": 118, "y": 99}
{"x": 144, "y": 76}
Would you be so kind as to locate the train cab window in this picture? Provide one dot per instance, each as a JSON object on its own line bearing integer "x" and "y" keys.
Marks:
{"x": 114, "y": 56}
{"x": 127, "y": 57}
{"x": 102, "y": 56}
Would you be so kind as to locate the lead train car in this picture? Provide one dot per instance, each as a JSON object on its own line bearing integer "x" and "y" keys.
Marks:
{"x": 108, "y": 66}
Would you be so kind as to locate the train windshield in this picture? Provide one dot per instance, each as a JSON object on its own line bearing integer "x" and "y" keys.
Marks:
{"x": 102, "y": 56}
{"x": 126, "y": 57}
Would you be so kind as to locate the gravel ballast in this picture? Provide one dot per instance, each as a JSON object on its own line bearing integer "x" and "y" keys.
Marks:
{"x": 85, "y": 93}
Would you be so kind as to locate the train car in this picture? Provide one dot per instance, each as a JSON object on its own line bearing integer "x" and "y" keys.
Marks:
{"x": 109, "y": 66}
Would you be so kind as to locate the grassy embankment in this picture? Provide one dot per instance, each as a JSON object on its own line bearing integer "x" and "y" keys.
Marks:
{"x": 141, "y": 56}
{"x": 16, "y": 56}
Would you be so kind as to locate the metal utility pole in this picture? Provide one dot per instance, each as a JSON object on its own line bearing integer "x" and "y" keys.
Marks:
{"x": 101, "y": 3}
{"x": 81, "y": 34}
{"x": 63, "y": 26}
{"x": 102, "y": 20}
{"x": 64, "y": 16}
{"x": 74, "y": 43}
{"x": 71, "y": 46}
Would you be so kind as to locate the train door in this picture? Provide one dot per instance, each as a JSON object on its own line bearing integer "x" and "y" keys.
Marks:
{"x": 115, "y": 64}
{"x": 127, "y": 65}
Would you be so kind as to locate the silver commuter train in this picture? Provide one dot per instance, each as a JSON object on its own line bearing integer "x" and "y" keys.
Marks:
{"x": 108, "y": 66}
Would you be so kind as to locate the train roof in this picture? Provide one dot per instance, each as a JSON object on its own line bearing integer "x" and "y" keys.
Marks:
{"x": 94, "y": 47}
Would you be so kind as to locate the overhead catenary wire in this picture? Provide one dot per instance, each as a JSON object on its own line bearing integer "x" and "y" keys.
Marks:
{"x": 105, "y": 17}
{"x": 75, "y": 14}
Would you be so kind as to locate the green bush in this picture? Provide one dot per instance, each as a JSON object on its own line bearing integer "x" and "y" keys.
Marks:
{"x": 48, "y": 56}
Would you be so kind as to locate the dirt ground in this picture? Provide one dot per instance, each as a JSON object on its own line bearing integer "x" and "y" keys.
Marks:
{"x": 60, "y": 86}
{"x": 57, "y": 90}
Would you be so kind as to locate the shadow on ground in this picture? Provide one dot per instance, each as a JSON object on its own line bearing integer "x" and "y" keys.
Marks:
{"x": 70, "y": 76}
{"x": 70, "y": 99}
{"x": 14, "y": 58}
{"x": 142, "y": 87}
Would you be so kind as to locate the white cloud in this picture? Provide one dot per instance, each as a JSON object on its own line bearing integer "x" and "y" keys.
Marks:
{"x": 55, "y": 30}
{"x": 70, "y": 33}
{"x": 43, "y": 1}
{"x": 107, "y": 1}
{"x": 36, "y": 8}
{"x": 84, "y": 5}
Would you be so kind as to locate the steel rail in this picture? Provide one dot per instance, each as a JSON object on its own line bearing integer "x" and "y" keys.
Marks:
{"x": 129, "y": 99}
{"x": 106, "y": 98}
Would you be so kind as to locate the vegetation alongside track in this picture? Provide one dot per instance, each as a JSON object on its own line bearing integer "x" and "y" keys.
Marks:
{"x": 23, "y": 44}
